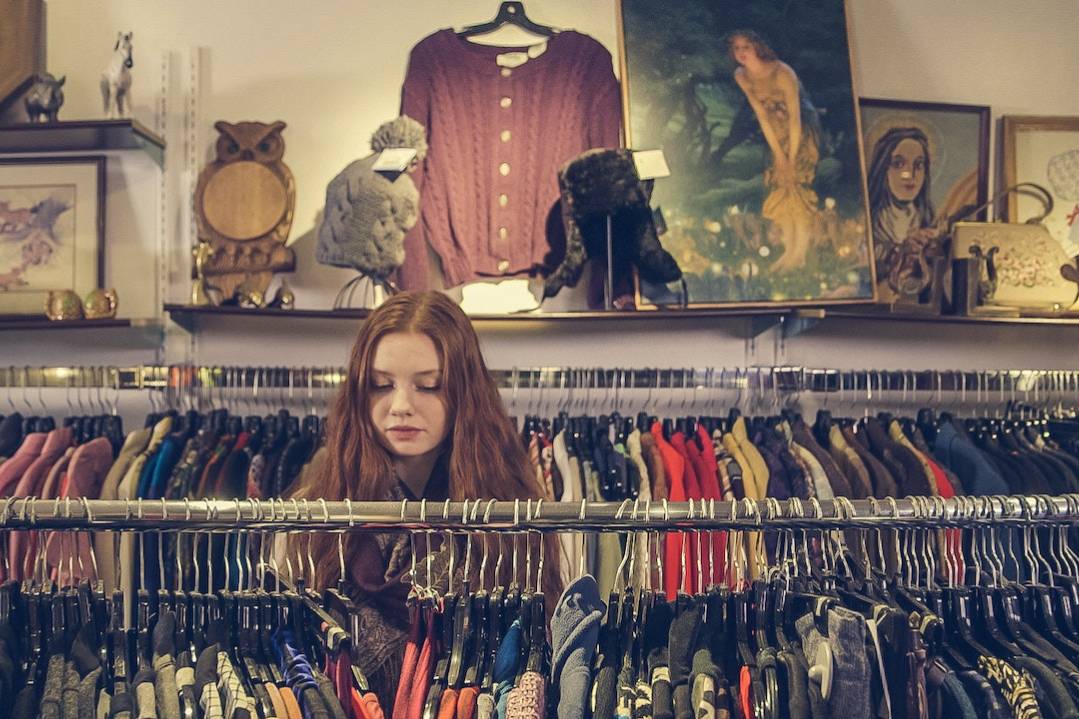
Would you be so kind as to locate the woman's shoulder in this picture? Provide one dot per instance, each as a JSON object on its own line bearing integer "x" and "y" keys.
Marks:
{"x": 785, "y": 73}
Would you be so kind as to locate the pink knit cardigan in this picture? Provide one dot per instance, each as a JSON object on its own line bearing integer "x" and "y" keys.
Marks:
{"x": 498, "y": 136}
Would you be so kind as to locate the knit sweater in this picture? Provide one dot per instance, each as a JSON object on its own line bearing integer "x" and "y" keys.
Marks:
{"x": 498, "y": 136}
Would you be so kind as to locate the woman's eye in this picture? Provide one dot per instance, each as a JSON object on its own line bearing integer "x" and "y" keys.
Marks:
{"x": 381, "y": 387}
{"x": 429, "y": 388}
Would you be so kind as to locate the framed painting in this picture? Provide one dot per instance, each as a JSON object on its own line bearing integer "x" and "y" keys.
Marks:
{"x": 52, "y": 229}
{"x": 927, "y": 165}
{"x": 1044, "y": 150}
{"x": 753, "y": 107}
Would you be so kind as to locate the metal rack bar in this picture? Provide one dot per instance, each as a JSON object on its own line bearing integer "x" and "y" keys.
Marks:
{"x": 521, "y": 516}
{"x": 1005, "y": 383}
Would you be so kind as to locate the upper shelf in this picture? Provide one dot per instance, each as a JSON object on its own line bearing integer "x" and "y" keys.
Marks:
{"x": 757, "y": 320}
{"x": 81, "y": 136}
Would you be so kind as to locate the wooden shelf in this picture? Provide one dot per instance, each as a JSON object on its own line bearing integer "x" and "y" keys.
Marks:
{"x": 21, "y": 324}
{"x": 872, "y": 315}
{"x": 188, "y": 315}
{"x": 81, "y": 136}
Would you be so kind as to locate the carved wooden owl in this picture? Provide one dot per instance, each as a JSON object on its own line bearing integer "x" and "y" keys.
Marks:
{"x": 244, "y": 204}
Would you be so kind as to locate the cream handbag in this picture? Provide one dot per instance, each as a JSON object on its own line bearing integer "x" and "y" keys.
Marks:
{"x": 1032, "y": 270}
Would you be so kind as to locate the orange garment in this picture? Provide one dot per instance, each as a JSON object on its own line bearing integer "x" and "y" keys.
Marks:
{"x": 421, "y": 683}
{"x": 447, "y": 708}
{"x": 278, "y": 704}
{"x": 366, "y": 706}
{"x": 744, "y": 682}
{"x": 674, "y": 468}
{"x": 292, "y": 707}
{"x": 408, "y": 667}
{"x": 466, "y": 702}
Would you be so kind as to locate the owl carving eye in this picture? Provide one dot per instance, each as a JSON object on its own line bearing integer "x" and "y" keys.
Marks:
{"x": 233, "y": 148}
{"x": 264, "y": 146}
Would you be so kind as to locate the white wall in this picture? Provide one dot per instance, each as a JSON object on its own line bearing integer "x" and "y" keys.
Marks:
{"x": 332, "y": 70}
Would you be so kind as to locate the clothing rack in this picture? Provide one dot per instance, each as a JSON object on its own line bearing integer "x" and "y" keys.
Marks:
{"x": 1004, "y": 383}
{"x": 277, "y": 515}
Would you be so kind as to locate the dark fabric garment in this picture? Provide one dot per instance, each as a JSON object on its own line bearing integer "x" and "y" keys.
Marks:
{"x": 682, "y": 639}
{"x": 26, "y": 704}
{"x": 10, "y": 434}
{"x": 986, "y": 698}
{"x": 918, "y": 440}
{"x": 328, "y": 695}
{"x": 232, "y": 478}
{"x": 884, "y": 484}
{"x": 164, "y": 664}
{"x": 655, "y": 644}
{"x": 299, "y": 676}
{"x": 947, "y": 695}
{"x": 779, "y": 483}
{"x": 123, "y": 707}
{"x": 1053, "y": 696}
{"x": 796, "y": 683}
{"x": 913, "y": 482}
{"x": 292, "y": 460}
{"x": 575, "y": 626}
{"x": 145, "y": 698}
{"x": 836, "y": 479}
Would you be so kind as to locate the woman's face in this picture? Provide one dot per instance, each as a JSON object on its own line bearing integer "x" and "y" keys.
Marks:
{"x": 906, "y": 171}
{"x": 408, "y": 408}
{"x": 743, "y": 49}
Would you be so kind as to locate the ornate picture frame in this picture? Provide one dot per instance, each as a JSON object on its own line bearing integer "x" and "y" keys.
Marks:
{"x": 1043, "y": 150}
{"x": 52, "y": 229}
{"x": 753, "y": 219}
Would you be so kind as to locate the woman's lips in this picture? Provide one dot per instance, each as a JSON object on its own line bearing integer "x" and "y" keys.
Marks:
{"x": 404, "y": 433}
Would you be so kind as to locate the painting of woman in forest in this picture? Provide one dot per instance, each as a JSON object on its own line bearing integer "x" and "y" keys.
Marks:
{"x": 776, "y": 97}
{"x": 753, "y": 107}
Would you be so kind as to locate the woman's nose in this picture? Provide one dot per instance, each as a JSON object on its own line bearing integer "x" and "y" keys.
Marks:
{"x": 401, "y": 402}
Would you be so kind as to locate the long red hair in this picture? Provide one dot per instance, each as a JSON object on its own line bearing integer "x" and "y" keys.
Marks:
{"x": 487, "y": 459}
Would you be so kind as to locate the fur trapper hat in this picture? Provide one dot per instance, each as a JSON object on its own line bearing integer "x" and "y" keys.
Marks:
{"x": 594, "y": 185}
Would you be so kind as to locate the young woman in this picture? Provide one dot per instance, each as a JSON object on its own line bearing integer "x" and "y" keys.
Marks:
{"x": 775, "y": 95}
{"x": 418, "y": 416}
{"x": 899, "y": 205}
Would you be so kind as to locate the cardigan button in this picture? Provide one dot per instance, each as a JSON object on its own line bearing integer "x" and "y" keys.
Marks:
{"x": 504, "y": 169}
{"x": 503, "y": 265}
{"x": 503, "y": 200}
{"x": 505, "y": 135}
{"x": 506, "y": 102}
{"x": 506, "y": 72}
{"x": 503, "y": 233}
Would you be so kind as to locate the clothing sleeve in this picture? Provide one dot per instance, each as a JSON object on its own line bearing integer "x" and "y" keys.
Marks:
{"x": 605, "y": 115}
{"x": 416, "y": 103}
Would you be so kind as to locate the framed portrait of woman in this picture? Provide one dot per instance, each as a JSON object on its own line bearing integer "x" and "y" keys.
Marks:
{"x": 753, "y": 107}
{"x": 927, "y": 165}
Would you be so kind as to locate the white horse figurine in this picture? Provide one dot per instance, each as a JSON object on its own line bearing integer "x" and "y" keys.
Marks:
{"x": 116, "y": 79}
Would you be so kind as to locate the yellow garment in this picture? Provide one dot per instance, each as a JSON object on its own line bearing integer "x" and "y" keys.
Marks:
{"x": 796, "y": 199}
{"x": 896, "y": 433}
{"x": 128, "y": 488}
{"x": 755, "y": 460}
{"x": 754, "y": 483}
{"x": 104, "y": 547}
{"x": 849, "y": 461}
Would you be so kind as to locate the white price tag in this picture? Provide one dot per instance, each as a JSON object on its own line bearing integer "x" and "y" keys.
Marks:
{"x": 651, "y": 164}
{"x": 394, "y": 159}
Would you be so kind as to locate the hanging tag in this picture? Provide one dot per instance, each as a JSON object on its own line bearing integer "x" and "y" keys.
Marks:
{"x": 394, "y": 159}
{"x": 651, "y": 164}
